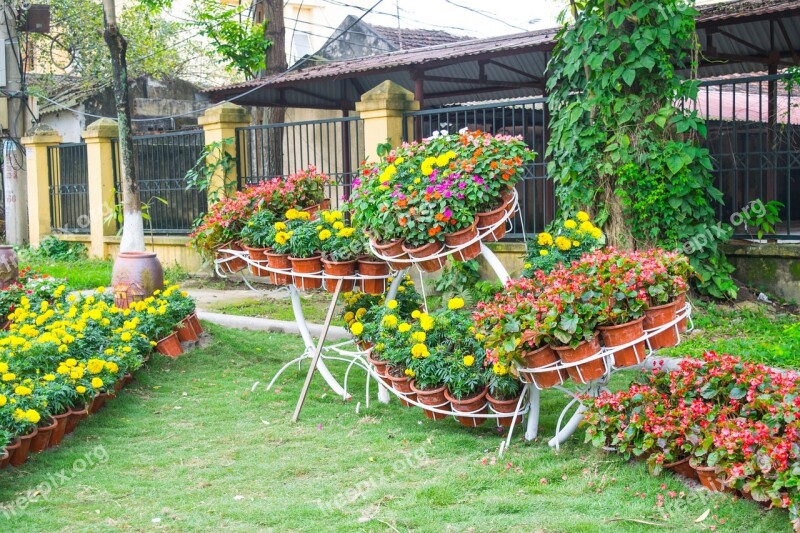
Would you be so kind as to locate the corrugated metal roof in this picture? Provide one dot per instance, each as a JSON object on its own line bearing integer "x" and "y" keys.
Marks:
{"x": 513, "y": 65}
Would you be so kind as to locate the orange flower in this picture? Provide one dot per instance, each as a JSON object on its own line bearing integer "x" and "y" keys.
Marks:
{"x": 403, "y": 221}
{"x": 434, "y": 230}
{"x": 493, "y": 165}
{"x": 506, "y": 177}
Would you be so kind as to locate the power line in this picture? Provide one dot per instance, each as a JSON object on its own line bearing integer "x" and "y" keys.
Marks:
{"x": 266, "y": 81}
{"x": 485, "y": 14}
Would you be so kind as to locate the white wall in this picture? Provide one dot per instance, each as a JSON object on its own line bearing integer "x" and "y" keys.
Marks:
{"x": 68, "y": 124}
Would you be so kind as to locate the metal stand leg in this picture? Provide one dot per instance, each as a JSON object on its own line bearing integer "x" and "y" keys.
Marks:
{"x": 568, "y": 429}
{"x": 533, "y": 413}
{"x": 309, "y": 342}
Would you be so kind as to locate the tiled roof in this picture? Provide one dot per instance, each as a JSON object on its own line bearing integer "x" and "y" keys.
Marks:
{"x": 405, "y": 38}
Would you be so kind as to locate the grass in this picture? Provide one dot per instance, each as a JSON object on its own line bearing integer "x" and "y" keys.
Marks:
{"x": 315, "y": 306}
{"x": 80, "y": 273}
{"x": 197, "y": 443}
{"x": 751, "y": 330}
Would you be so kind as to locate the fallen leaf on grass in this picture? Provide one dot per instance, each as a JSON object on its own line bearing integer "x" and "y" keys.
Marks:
{"x": 702, "y": 516}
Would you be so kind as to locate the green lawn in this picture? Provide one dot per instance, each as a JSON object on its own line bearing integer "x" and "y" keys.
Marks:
{"x": 315, "y": 306}
{"x": 198, "y": 444}
{"x": 81, "y": 274}
{"x": 751, "y": 330}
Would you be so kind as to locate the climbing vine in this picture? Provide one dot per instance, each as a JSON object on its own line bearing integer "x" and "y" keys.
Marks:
{"x": 623, "y": 144}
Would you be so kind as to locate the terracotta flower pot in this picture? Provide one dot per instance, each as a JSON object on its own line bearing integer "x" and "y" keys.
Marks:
{"x": 368, "y": 266}
{"x": 402, "y": 384}
{"x": 710, "y": 479}
{"x": 488, "y": 219}
{"x": 507, "y": 197}
{"x": 339, "y": 268}
{"x": 683, "y": 468}
{"x": 135, "y": 276}
{"x": 658, "y": 316}
{"x": 281, "y": 262}
{"x": 41, "y": 441}
{"x": 20, "y": 455}
{"x": 459, "y": 239}
{"x": 61, "y": 427}
{"x": 504, "y": 406}
{"x": 9, "y": 266}
{"x": 185, "y": 331}
{"x": 127, "y": 378}
{"x": 119, "y": 384}
{"x": 432, "y": 398}
{"x": 195, "y": 322}
{"x": 307, "y": 265}
{"x": 258, "y": 254}
{"x": 169, "y": 346}
{"x": 588, "y": 371}
{"x": 98, "y": 402}
{"x": 422, "y": 253}
{"x": 232, "y": 265}
{"x": 380, "y": 366}
{"x": 680, "y": 304}
{"x": 469, "y": 406}
{"x": 623, "y": 334}
{"x": 392, "y": 249}
{"x": 4, "y": 458}
{"x": 539, "y": 358}
{"x": 75, "y": 416}
{"x": 11, "y": 449}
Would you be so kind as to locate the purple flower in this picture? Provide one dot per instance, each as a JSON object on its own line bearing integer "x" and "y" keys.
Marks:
{"x": 429, "y": 190}
{"x": 462, "y": 185}
{"x": 447, "y": 212}
{"x": 447, "y": 194}
{"x": 460, "y": 196}
{"x": 478, "y": 180}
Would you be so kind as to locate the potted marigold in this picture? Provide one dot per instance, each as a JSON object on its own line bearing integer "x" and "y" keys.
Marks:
{"x": 256, "y": 239}
{"x": 503, "y": 396}
{"x": 304, "y": 254}
{"x": 567, "y": 242}
{"x": 341, "y": 246}
{"x": 466, "y": 387}
{"x": 278, "y": 241}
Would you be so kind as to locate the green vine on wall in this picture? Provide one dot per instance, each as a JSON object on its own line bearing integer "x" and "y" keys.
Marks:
{"x": 622, "y": 146}
{"x": 214, "y": 160}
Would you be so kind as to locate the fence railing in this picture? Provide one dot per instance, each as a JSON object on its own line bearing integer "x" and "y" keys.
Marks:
{"x": 68, "y": 181}
{"x": 162, "y": 161}
{"x": 754, "y": 137}
{"x": 527, "y": 118}
{"x": 334, "y": 146}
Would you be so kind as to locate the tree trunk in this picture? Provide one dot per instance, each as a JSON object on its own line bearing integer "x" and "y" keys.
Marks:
{"x": 132, "y": 221}
{"x": 271, "y": 12}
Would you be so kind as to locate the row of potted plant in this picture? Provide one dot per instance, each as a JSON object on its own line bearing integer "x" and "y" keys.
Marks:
{"x": 226, "y": 219}
{"x": 606, "y": 295}
{"x": 731, "y": 423}
{"x": 435, "y": 359}
{"x": 423, "y": 197}
{"x": 63, "y": 356}
{"x": 300, "y": 243}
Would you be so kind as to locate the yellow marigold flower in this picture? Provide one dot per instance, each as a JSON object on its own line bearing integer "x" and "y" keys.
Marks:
{"x": 399, "y": 160}
{"x": 80, "y": 389}
{"x": 95, "y": 366}
{"x": 391, "y": 304}
{"x": 3, "y": 400}
{"x": 405, "y": 327}
{"x": 401, "y": 289}
{"x": 100, "y": 290}
{"x": 576, "y": 243}
{"x": 570, "y": 224}
{"x": 469, "y": 360}
{"x": 292, "y": 214}
{"x": 112, "y": 367}
{"x": 62, "y": 369}
{"x": 455, "y": 303}
{"x": 410, "y": 373}
{"x": 563, "y": 243}
{"x": 279, "y": 226}
{"x": 325, "y": 234}
{"x": 357, "y": 328}
{"x": 426, "y": 322}
{"x": 545, "y": 239}
{"x": 360, "y": 312}
{"x": 349, "y": 316}
{"x": 419, "y": 351}
{"x": 338, "y": 225}
{"x": 22, "y": 390}
{"x": 582, "y": 216}
{"x": 586, "y": 226}
{"x": 97, "y": 383}
{"x": 528, "y": 265}
{"x": 596, "y": 233}
{"x": 500, "y": 369}
{"x": 479, "y": 337}
{"x": 49, "y": 377}
{"x": 71, "y": 362}
{"x": 125, "y": 337}
{"x": 427, "y": 166}
{"x": 418, "y": 336}
{"x": 416, "y": 313}
{"x": 9, "y": 376}
{"x": 389, "y": 321}
{"x": 33, "y": 416}
{"x": 76, "y": 373}
{"x": 442, "y": 160}
{"x": 3, "y": 367}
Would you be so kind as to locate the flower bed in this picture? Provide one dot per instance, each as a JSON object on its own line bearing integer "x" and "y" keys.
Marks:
{"x": 64, "y": 354}
{"x": 425, "y": 197}
{"x": 734, "y": 421}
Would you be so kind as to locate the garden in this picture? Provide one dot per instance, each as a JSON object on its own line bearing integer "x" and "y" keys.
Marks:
{"x": 614, "y": 330}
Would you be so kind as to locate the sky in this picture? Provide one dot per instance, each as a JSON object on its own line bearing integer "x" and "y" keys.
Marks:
{"x": 476, "y": 18}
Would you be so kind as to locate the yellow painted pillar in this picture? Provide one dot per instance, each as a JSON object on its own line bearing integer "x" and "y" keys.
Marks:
{"x": 219, "y": 125}
{"x": 382, "y": 110}
{"x": 36, "y": 143}
{"x": 100, "y": 159}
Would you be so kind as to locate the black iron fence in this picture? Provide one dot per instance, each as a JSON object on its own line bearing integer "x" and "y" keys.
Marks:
{"x": 162, "y": 161}
{"x": 754, "y": 137}
{"x": 68, "y": 187}
{"x": 527, "y": 118}
{"x": 334, "y": 146}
